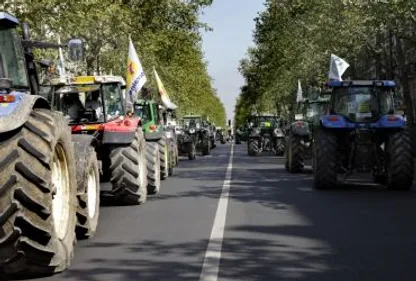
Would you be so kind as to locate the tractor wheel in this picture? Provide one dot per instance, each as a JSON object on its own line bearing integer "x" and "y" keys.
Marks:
{"x": 325, "y": 161}
{"x": 253, "y": 147}
{"x": 128, "y": 173}
{"x": 164, "y": 157}
{"x": 153, "y": 168}
{"x": 88, "y": 179}
{"x": 38, "y": 196}
{"x": 206, "y": 145}
{"x": 400, "y": 163}
{"x": 171, "y": 159}
{"x": 192, "y": 151}
{"x": 295, "y": 155}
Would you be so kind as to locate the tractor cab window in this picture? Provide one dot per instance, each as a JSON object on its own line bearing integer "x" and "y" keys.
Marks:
{"x": 113, "y": 101}
{"x": 360, "y": 104}
{"x": 12, "y": 61}
{"x": 143, "y": 111}
{"x": 80, "y": 103}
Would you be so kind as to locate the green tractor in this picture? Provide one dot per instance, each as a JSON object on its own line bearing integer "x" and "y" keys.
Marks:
{"x": 157, "y": 139}
{"x": 300, "y": 133}
{"x": 266, "y": 134}
{"x": 198, "y": 133}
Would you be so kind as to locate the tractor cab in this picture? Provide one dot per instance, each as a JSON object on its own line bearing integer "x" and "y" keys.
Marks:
{"x": 149, "y": 113}
{"x": 12, "y": 59}
{"x": 89, "y": 99}
{"x": 193, "y": 121}
{"x": 362, "y": 101}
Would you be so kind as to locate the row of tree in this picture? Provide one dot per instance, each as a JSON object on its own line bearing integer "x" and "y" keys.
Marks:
{"x": 295, "y": 38}
{"x": 166, "y": 34}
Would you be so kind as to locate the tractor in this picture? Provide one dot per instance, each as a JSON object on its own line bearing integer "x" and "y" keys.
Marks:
{"x": 361, "y": 134}
{"x": 95, "y": 111}
{"x": 155, "y": 134}
{"x": 169, "y": 119}
{"x": 38, "y": 183}
{"x": 198, "y": 132}
{"x": 300, "y": 133}
{"x": 265, "y": 135}
{"x": 219, "y": 135}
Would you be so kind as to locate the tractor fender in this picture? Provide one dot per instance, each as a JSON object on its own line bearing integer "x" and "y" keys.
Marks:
{"x": 120, "y": 131}
{"x": 14, "y": 115}
{"x": 153, "y": 136}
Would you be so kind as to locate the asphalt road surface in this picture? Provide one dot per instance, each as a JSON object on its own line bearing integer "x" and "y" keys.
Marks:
{"x": 261, "y": 224}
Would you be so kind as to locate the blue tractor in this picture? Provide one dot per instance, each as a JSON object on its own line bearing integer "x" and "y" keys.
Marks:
{"x": 38, "y": 185}
{"x": 362, "y": 134}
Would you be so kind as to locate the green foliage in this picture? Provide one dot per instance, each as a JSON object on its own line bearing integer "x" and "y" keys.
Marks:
{"x": 294, "y": 39}
{"x": 165, "y": 34}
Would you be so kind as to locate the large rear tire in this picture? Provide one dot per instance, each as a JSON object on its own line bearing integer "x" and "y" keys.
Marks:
{"x": 253, "y": 147}
{"x": 295, "y": 155}
{"x": 325, "y": 162}
{"x": 206, "y": 145}
{"x": 88, "y": 179}
{"x": 400, "y": 163}
{"x": 126, "y": 172}
{"x": 38, "y": 196}
{"x": 153, "y": 168}
{"x": 164, "y": 157}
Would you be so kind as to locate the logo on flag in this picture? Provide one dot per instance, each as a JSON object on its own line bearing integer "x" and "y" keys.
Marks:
{"x": 135, "y": 78}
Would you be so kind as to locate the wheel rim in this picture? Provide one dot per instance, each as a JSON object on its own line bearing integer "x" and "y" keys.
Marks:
{"x": 92, "y": 192}
{"x": 157, "y": 176}
{"x": 61, "y": 192}
{"x": 166, "y": 156}
{"x": 142, "y": 169}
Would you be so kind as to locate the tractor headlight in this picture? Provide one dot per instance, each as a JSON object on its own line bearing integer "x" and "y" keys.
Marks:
{"x": 169, "y": 135}
{"x": 192, "y": 131}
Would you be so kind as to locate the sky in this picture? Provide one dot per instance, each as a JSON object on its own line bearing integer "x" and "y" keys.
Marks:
{"x": 227, "y": 44}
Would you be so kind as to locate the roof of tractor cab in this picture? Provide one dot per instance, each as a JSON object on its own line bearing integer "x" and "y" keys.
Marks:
{"x": 192, "y": 116}
{"x": 7, "y": 20}
{"x": 363, "y": 83}
{"x": 86, "y": 80}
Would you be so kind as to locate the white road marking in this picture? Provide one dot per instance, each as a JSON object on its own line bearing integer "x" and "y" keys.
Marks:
{"x": 210, "y": 267}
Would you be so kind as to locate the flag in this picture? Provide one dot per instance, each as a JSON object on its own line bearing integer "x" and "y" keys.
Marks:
{"x": 163, "y": 93}
{"x": 299, "y": 94}
{"x": 135, "y": 77}
{"x": 337, "y": 67}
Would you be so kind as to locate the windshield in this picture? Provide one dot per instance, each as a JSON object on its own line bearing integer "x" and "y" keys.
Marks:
{"x": 363, "y": 103}
{"x": 192, "y": 122}
{"x": 12, "y": 62}
{"x": 113, "y": 100}
{"x": 84, "y": 103}
{"x": 143, "y": 111}
{"x": 315, "y": 110}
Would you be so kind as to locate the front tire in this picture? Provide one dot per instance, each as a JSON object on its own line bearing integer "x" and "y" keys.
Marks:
{"x": 400, "y": 164}
{"x": 125, "y": 170}
{"x": 191, "y": 151}
{"x": 38, "y": 196}
{"x": 88, "y": 187}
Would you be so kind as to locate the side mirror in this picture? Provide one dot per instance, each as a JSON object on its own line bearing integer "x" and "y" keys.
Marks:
{"x": 76, "y": 50}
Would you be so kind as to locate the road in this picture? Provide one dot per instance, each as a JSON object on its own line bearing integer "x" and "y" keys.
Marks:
{"x": 277, "y": 228}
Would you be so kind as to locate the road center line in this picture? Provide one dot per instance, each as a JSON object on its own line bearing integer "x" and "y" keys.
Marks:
{"x": 210, "y": 267}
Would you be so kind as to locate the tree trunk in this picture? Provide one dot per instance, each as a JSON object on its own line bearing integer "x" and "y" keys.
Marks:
{"x": 404, "y": 79}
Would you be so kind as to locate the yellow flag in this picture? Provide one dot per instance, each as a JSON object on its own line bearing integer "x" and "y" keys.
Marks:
{"x": 163, "y": 93}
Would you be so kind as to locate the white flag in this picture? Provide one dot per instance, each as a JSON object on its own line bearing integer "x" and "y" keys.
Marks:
{"x": 299, "y": 95}
{"x": 135, "y": 77}
{"x": 337, "y": 67}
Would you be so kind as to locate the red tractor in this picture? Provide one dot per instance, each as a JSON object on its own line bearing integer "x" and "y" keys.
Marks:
{"x": 95, "y": 110}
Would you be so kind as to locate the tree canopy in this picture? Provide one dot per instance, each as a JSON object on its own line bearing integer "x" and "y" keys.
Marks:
{"x": 166, "y": 34}
{"x": 295, "y": 38}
